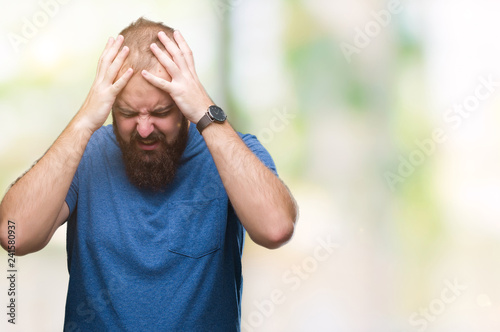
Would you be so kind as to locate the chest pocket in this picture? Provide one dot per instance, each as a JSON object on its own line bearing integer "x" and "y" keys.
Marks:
{"x": 196, "y": 228}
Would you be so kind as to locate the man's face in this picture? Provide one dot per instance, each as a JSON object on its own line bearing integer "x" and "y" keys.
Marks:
{"x": 151, "y": 131}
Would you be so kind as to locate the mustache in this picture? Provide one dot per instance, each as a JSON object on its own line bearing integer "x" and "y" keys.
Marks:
{"x": 154, "y": 136}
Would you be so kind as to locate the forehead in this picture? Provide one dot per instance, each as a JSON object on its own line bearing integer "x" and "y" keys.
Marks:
{"x": 140, "y": 95}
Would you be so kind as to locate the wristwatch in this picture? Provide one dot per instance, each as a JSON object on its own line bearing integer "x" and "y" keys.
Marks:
{"x": 214, "y": 114}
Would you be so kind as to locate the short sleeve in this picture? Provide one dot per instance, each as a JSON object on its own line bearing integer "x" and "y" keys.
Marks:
{"x": 72, "y": 195}
{"x": 256, "y": 147}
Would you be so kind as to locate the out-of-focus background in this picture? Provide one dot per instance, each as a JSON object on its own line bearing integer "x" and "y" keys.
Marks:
{"x": 381, "y": 117}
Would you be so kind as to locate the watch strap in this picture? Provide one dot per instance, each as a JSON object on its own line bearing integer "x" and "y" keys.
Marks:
{"x": 204, "y": 122}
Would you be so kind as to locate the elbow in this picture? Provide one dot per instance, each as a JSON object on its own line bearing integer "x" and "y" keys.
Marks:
{"x": 14, "y": 246}
{"x": 283, "y": 229}
{"x": 279, "y": 238}
{"x": 278, "y": 235}
{"x": 6, "y": 243}
{"x": 10, "y": 240}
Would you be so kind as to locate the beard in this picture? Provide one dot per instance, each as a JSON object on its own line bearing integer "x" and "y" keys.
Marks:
{"x": 156, "y": 168}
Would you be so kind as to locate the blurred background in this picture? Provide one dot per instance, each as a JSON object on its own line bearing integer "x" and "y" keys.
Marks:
{"x": 380, "y": 115}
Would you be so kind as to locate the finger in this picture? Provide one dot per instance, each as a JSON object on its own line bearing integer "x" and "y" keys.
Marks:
{"x": 99, "y": 64}
{"x": 186, "y": 50}
{"x": 106, "y": 48}
{"x": 111, "y": 53}
{"x": 173, "y": 50}
{"x": 122, "y": 81}
{"x": 116, "y": 65}
{"x": 166, "y": 61}
{"x": 156, "y": 81}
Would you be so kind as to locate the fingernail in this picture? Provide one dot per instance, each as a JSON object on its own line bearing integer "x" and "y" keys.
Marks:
{"x": 154, "y": 45}
{"x": 144, "y": 72}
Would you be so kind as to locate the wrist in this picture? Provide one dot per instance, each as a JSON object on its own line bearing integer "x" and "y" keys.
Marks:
{"x": 202, "y": 110}
{"x": 214, "y": 114}
{"x": 83, "y": 124}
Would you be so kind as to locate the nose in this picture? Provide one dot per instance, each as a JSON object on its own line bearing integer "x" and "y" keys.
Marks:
{"x": 144, "y": 126}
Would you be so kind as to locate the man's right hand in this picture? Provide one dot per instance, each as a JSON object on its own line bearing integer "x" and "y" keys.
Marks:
{"x": 102, "y": 95}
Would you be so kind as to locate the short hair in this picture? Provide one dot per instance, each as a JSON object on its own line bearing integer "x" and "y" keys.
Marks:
{"x": 138, "y": 37}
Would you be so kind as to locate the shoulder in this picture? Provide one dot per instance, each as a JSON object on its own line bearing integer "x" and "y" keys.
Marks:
{"x": 104, "y": 134}
{"x": 102, "y": 146}
{"x": 102, "y": 138}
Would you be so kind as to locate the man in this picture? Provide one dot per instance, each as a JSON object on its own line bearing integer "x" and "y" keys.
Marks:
{"x": 156, "y": 204}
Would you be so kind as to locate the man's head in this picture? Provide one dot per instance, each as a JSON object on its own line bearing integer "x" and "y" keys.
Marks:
{"x": 151, "y": 130}
{"x": 139, "y": 36}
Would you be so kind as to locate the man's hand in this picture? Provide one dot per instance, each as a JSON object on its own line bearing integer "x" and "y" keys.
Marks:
{"x": 185, "y": 88}
{"x": 102, "y": 95}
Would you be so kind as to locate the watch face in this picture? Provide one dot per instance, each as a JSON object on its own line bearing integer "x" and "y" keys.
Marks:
{"x": 217, "y": 113}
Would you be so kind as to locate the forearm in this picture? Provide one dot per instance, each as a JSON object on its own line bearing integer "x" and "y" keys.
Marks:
{"x": 35, "y": 200}
{"x": 262, "y": 202}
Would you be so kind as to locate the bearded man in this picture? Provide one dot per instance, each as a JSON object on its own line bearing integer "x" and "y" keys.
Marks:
{"x": 157, "y": 204}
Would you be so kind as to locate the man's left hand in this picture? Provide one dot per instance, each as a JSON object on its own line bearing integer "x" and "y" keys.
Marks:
{"x": 185, "y": 88}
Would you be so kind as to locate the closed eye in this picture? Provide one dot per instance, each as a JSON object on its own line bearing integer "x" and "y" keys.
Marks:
{"x": 128, "y": 114}
{"x": 161, "y": 113}
{"x": 125, "y": 112}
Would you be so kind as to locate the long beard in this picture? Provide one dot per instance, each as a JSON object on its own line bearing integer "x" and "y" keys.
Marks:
{"x": 152, "y": 169}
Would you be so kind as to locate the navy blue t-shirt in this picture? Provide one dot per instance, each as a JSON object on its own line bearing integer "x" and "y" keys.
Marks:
{"x": 153, "y": 261}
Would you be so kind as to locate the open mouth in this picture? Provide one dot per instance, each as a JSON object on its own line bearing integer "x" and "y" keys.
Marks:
{"x": 148, "y": 144}
{"x": 148, "y": 141}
